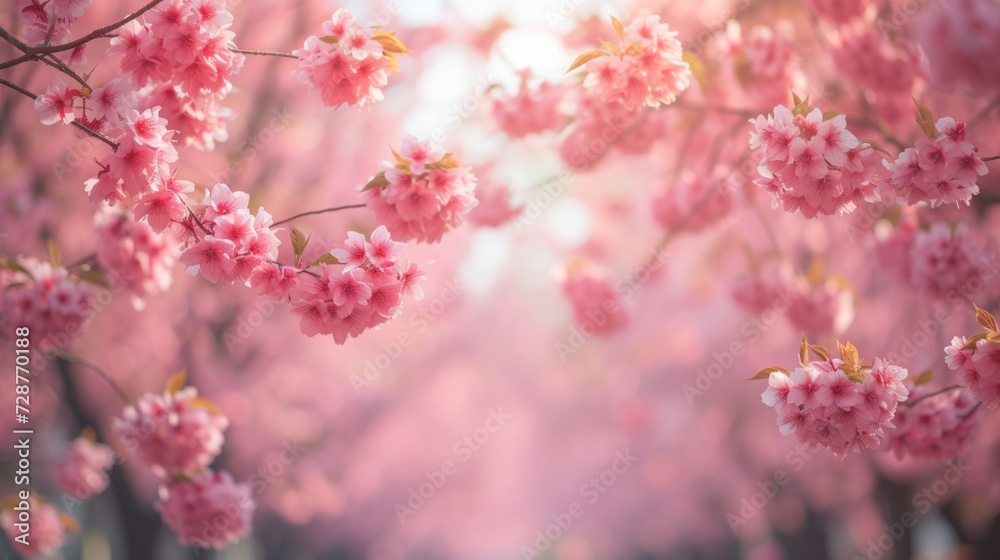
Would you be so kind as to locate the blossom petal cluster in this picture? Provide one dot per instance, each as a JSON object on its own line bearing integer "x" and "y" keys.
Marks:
{"x": 937, "y": 425}
{"x": 44, "y": 298}
{"x": 598, "y": 307}
{"x": 177, "y": 435}
{"x": 811, "y": 163}
{"x": 530, "y": 110}
{"x": 364, "y": 289}
{"x": 47, "y": 530}
{"x": 132, "y": 255}
{"x": 939, "y": 170}
{"x": 83, "y": 471}
{"x": 348, "y": 65}
{"x": 50, "y": 20}
{"x": 835, "y": 402}
{"x": 695, "y": 202}
{"x": 424, "y": 194}
{"x": 209, "y": 510}
{"x": 976, "y": 361}
{"x": 648, "y": 69}
{"x": 224, "y": 242}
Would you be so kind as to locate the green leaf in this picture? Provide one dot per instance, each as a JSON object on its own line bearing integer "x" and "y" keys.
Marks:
{"x": 376, "y": 182}
{"x": 970, "y": 344}
{"x": 985, "y": 319}
{"x": 55, "y": 255}
{"x": 585, "y": 58}
{"x": 924, "y": 378}
{"x": 766, "y": 373}
{"x": 925, "y": 119}
{"x": 619, "y": 28}
{"x": 697, "y": 68}
{"x": 93, "y": 276}
{"x": 176, "y": 382}
{"x": 325, "y": 258}
{"x": 875, "y": 146}
{"x": 299, "y": 243}
{"x": 829, "y": 115}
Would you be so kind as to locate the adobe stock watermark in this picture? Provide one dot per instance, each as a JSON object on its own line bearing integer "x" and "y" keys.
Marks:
{"x": 923, "y": 501}
{"x": 751, "y": 505}
{"x": 590, "y": 492}
{"x": 463, "y": 449}
{"x": 425, "y": 315}
{"x": 750, "y": 332}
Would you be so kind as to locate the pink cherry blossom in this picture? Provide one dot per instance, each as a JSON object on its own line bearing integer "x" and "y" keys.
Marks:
{"x": 83, "y": 471}
{"x": 209, "y": 510}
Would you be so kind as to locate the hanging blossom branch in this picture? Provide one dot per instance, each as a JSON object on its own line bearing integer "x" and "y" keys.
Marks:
{"x": 81, "y": 126}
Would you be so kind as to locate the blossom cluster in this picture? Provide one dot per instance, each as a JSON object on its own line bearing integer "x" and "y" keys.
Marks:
{"x": 598, "y": 307}
{"x": 180, "y": 57}
{"x": 177, "y": 435}
{"x": 49, "y": 20}
{"x": 835, "y": 402}
{"x": 48, "y": 527}
{"x": 942, "y": 169}
{"x": 349, "y": 64}
{"x": 648, "y": 69}
{"x": 223, "y": 241}
{"x": 814, "y": 302}
{"x": 935, "y": 425}
{"x": 44, "y": 298}
{"x": 424, "y": 194}
{"x": 139, "y": 259}
{"x": 694, "y": 201}
{"x": 83, "y": 471}
{"x": 186, "y": 43}
{"x": 363, "y": 289}
{"x": 530, "y": 110}
{"x": 976, "y": 361}
{"x": 811, "y": 163}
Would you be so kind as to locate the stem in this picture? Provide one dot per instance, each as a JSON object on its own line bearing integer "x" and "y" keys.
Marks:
{"x": 81, "y": 126}
{"x": 314, "y": 212}
{"x": 991, "y": 158}
{"x": 265, "y": 53}
{"x": 70, "y": 357}
{"x": 72, "y": 44}
{"x": 718, "y": 109}
{"x": 935, "y": 393}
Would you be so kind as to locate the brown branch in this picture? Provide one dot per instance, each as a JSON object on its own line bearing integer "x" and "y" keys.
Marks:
{"x": 323, "y": 211}
{"x": 265, "y": 53}
{"x": 97, "y": 33}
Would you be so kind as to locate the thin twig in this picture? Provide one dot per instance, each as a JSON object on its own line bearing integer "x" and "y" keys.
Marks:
{"x": 265, "y": 53}
{"x": 314, "y": 212}
{"x": 935, "y": 393}
{"x": 991, "y": 158}
{"x": 76, "y": 358}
